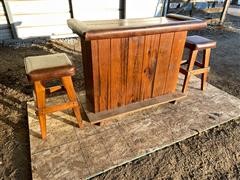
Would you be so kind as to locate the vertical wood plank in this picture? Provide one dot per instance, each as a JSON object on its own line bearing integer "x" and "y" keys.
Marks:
{"x": 104, "y": 49}
{"x": 124, "y": 68}
{"x": 96, "y": 75}
{"x": 175, "y": 60}
{"x": 149, "y": 65}
{"x": 116, "y": 73}
{"x": 164, "y": 54}
{"x": 134, "y": 68}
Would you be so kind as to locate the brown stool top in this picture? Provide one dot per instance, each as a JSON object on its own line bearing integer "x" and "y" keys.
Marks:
{"x": 198, "y": 43}
{"x": 48, "y": 67}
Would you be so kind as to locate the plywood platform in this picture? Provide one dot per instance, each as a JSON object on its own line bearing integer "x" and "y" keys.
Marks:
{"x": 71, "y": 153}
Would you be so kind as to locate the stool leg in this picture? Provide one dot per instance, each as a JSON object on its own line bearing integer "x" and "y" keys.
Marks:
{"x": 67, "y": 83}
{"x": 206, "y": 58}
{"x": 39, "y": 89}
{"x": 192, "y": 57}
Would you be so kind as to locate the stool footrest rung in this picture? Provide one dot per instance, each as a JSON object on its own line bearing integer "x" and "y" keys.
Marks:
{"x": 54, "y": 89}
{"x": 197, "y": 63}
{"x": 195, "y": 72}
{"x": 59, "y": 107}
{"x": 200, "y": 71}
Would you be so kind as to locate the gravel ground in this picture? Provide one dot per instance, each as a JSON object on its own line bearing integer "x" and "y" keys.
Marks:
{"x": 214, "y": 154}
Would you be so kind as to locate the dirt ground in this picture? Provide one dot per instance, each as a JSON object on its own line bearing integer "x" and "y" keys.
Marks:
{"x": 214, "y": 154}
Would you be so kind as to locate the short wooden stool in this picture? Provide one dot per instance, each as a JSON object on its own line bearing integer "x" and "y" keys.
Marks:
{"x": 40, "y": 69}
{"x": 195, "y": 44}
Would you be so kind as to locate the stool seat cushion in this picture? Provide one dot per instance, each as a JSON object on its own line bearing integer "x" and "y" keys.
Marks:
{"x": 48, "y": 67}
{"x": 199, "y": 43}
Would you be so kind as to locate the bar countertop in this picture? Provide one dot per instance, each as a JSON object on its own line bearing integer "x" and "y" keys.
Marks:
{"x": 90, "y": 30}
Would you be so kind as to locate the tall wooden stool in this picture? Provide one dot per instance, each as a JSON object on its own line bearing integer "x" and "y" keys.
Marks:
{"x": 40, "y": 69}
{"x": 195, "y": 44}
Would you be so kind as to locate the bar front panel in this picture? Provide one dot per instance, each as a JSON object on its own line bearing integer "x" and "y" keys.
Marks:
{"x": 126, "y": 70}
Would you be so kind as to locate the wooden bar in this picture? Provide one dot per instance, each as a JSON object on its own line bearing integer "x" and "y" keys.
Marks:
{"x": 132, "y": 60}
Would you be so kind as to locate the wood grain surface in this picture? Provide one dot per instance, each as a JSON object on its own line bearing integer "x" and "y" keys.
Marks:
{"x": 120, "y": 71}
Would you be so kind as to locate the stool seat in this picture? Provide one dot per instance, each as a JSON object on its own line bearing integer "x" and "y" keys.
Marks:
{"x": 48, "y": 67}
{"x": 199, "y": 43}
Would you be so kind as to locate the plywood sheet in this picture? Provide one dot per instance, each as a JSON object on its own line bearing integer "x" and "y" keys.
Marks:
{"x": 95, "y": 149}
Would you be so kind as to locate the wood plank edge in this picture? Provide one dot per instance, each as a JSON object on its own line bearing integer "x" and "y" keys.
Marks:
{"x": 101, "y": 117}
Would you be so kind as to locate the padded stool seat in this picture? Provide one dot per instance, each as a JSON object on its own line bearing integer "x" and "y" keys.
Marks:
{"x": 199, "y": 43}
{"x": 48, "y": 67}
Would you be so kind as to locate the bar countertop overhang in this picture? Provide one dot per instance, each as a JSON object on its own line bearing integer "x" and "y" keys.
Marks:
{"x": 90, "y": 30}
